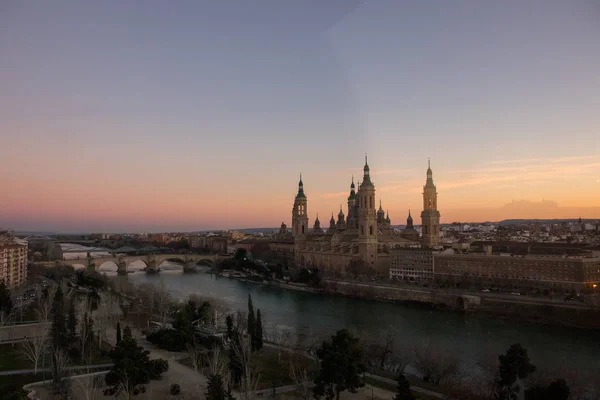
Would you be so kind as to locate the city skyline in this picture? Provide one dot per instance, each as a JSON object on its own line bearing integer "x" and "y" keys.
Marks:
{"x": 123, "y": 117}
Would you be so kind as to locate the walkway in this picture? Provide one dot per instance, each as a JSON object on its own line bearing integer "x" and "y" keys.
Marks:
{"x": 32, "y": 371}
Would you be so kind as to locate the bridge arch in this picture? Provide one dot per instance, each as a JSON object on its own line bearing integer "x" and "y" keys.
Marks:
{"x": 107, "y": 266}
{"x": 173, "y": 260}
{"x": 137, "y": 264}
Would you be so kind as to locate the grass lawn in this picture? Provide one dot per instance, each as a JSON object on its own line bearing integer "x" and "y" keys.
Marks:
{"x": 274, "y": 367}
{"x": 11, "y": 387}
{"x": 12, "y": 358}
{"x": 414, "y": 380}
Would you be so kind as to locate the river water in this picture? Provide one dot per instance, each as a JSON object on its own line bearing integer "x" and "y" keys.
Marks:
{"x": 308, "y": 314}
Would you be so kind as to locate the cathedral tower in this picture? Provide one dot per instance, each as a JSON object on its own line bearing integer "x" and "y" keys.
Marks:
{"x": 351, "y": 220}
{"x": 299, "y": 213}
{"x": 367, "y": 219}
{"x": 430, "y": 217}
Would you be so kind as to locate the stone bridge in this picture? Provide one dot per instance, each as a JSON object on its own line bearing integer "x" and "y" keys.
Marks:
{"x": 152, "y": 261}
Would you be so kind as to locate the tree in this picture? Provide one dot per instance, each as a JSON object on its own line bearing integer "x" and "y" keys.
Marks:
{"x": 86, "y": 336}
{"x": 514, "y": 365}
{"x": 215, "y": 389}
{"x": 58, "y": 332}
{"x": 132, "y": 367}
{"x": 60, "y": 361}
{"x": 299, "y": 377}
{"x": 72, "y": 323}
{"x": 258, "y": 332}
{"x": 44, "y": 303}
{"x": 341, "y": 365}
{"x": 90, "y": 385}
{"x": 240, "y": 254}
{"x": 229, "y": 322}
{"x": 235, "y": 366}
{"x": 557, "y": 390}
{"x": 118, "y": 332}
{"x": 6, "y": 304}
{"x": 249, "y": 379}
{"x": 403, "y": 392}
{"x": 435, "y": 364}
{"x": 251, "y": 323}
{"x": 33, "y": 348}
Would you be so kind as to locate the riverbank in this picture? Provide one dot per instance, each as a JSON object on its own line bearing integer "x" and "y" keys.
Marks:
{"x": 519, "y": 309}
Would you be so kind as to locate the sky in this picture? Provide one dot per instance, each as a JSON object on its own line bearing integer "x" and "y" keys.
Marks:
{"x": 128, "y": 116}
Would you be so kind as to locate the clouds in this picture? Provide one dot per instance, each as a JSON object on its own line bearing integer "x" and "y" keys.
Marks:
{"x": 524, "y": 171}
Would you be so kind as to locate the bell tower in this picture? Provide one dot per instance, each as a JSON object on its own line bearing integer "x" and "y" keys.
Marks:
{"x": 430, "y": 216}
{"x": 367, "y": 219}
{"x": 299, "y": 213}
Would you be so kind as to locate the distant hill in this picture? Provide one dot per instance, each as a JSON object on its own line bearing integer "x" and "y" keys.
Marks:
{"x": 541, "y": 221}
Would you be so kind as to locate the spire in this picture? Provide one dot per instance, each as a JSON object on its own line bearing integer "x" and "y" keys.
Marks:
{"x": 429, "y": 174}
{"x": 409, "y": 220}
{"x": 366, "y": 175}
{"x": 300, "y": 188}
{"x": 352, "y": 184}
{"x": 381, "y": 208}
{"x": 341, "y": 214}
{"x": 387, "y": 218}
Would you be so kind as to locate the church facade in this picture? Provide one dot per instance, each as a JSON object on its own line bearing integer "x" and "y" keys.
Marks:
{"x": 365, "y": 235}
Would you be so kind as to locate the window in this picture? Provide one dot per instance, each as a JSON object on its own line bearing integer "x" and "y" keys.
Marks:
{"x": 302, "y": 228}
{"x": 371, "y": 230}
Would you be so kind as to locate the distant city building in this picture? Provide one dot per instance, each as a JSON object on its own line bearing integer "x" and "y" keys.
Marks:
{"x": 527, "y": 271}
{"x": 13, "y": 260}
{"x": 236, "y": 235}
{"x": 364, "y": 235}
{"x": 411, "y": 264}
{"x": 160, "y": 238}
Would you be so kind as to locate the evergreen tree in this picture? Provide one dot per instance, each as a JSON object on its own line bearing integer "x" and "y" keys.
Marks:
{"x": 229, "y": 322}
{"x": 341, "y": 366}
{"x": 6, "y": 304}
{"x": 72, "y": 323}
{"x": 118, "y": 332}
{"x": 403, "y": 392}
{"x": 132, "y": 366}
{"x": 58, "y": 332}
{"x": 251, "y": 322}
{"x": 215, "y": 389}
{"x": 514, "y": 365}
{"x": 259, "y": 332}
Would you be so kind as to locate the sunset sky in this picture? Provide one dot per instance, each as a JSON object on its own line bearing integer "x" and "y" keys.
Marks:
{"x": 122, "y": 116}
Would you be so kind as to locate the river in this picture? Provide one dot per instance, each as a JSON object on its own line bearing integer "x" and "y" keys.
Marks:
{"x": 308, "y": 314}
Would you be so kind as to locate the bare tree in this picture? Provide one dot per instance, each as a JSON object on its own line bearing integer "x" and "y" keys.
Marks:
{"x": 6, "y": 318}
{"x": 435, "y": 364}
{"x": 90, "y": 385}
{"x": 60, "y": 361}
{"x": 379, "y": 347}
{"x": 43, "y": 304}
{"x": 301, "y": 380}
{"x": 196, "y": 353}
{"x": 162, "y": 300}
{"x": 218, "y": 364}
{"x": 282, "y": 338}
{"x": 33, "y": 348}
{"x": 250, "y": 379}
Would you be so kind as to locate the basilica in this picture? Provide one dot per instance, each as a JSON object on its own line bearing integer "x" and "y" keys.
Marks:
{"x": 365, "y": 233}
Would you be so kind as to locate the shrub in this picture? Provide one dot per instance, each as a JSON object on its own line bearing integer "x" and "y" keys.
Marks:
{"x": 157, "y": 367}
{"x": 175, "y": 389}
{"x": 167, "y": 339}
